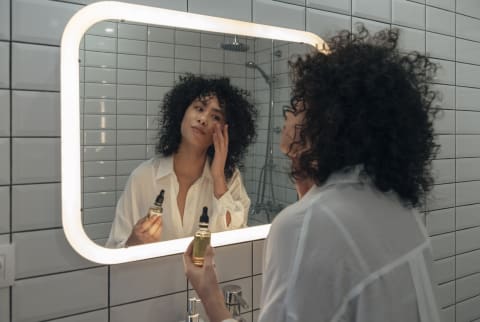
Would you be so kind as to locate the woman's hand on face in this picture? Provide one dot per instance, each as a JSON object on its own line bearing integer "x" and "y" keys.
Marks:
{"x": 147, "y": 230}
{"x": 220, "y": 143}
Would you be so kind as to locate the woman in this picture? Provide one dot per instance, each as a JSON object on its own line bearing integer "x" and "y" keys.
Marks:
{"x": 360, "y": 136}
{"x": 207, "y": 125}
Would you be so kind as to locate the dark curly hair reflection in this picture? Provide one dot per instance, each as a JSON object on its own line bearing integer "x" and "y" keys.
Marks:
{"x": 366, "y": 103}
{"x": 239, "y": 115}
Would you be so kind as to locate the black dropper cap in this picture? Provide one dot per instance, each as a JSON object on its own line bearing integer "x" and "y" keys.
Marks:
{"x": 159, "y": 200}
{"x": 204, "y": 216}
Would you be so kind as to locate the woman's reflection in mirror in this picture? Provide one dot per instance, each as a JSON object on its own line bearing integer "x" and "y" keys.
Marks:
{"x": 360, "y": 136}
{"x": 206, "y": 126}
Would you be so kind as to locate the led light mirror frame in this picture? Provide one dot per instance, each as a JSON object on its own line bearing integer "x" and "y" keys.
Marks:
{"x": 70, "y": 111}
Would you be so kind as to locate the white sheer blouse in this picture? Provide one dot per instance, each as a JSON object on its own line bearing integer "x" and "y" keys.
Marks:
{"x": 151, "y": 176}
{"x": 347, "y": 252}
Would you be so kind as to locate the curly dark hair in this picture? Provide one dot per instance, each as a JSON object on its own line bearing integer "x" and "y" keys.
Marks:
{"x": 367, "y": 104}
{"x": 239, "y": 115}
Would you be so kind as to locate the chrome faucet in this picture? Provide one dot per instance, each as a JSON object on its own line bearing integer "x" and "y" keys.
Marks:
{"x": 234, "y": 300}
{"x": 192, "y": 314}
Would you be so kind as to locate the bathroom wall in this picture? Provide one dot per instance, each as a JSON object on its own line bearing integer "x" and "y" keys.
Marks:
{"x": 53, "y": 283}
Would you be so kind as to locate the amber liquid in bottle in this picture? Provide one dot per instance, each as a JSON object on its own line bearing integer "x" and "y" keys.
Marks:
{"x": 201, "y": 240}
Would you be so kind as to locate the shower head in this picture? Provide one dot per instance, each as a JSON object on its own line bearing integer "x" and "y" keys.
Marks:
{"x": 235, "y": 46}
{"x": 251, "y": 64}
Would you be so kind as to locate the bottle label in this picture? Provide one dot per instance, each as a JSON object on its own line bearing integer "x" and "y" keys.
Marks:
{"x": 154, "y": 212}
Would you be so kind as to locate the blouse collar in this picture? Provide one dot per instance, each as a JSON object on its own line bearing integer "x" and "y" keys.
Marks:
{"x": 346, "y": 175}
{"x": 165, "y": 167}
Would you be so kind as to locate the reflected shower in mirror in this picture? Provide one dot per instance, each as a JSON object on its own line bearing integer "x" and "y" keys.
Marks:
{"x": 126, "y": 69}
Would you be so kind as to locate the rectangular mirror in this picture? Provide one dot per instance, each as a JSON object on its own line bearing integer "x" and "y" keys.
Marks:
{"x": 118, "y": 60}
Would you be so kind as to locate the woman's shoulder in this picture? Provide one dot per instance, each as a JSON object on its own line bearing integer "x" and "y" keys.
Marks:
{"x": 295, "y": 214}
{"x": 236, "y": 173}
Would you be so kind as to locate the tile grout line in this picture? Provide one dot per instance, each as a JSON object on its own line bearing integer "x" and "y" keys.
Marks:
{"x": 11, "y": 151}
{"x": 455, "y": 166}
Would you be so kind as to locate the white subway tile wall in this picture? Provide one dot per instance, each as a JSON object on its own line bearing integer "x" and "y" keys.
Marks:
{"x": 4, "y": 161}
{"x": 4, "y": 113}
{"x": 277, "y": 13}
{"x": 467, "y": 216}
{"x": 446, "y": 72}
{"x": 45, "y": 297}
{"x": 166, "y": 308}
{"x": 43, "y": 201}
{"x": 467, "y": 7}
{"x": 54, "y": 283}
{"x": 232, "y": 9}
{"x": 467, "y": 98}
{"x": 34, "y": 22}
{"x": 444, "y": 4}
{"x": 445, "y": 122}
{"x": 35, "y": 160}
{"x": 440, "y": 21}
{"x": 409, "y": 14}
{"x": 4, "y": 64}
{"x": 340, "y": 6}
{"x": 4, "y": 210}
{"x": 467, "y": 146}
{"x": 57, "y": 257}
{"x": 326, "y": 24}
{"x": 35, "y": 114}
{"x": 5, "y": 292}
{"x": 467, "y": 27}
{"x": 411, "y": 40}
{"x": 444, "y": 270}
{"x": 440, "y": 46}
{"x": 95, "y": 316}
{"x": 28, "y": 74}
{"x": 4, "y": 19}
{"x": 379, "y": 10}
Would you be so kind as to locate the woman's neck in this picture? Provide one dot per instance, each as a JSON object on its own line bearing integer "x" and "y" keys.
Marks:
{"x": 303, "y": 186}
{"x": 189, "y": 163}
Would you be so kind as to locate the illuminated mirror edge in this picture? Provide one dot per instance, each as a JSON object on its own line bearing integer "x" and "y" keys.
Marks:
{"x": 70, "y": 123}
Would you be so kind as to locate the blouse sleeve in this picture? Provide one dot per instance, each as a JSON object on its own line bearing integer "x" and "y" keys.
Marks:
{"x": 126, "y": 213}
{"x": 235, "y": 201}
{"x": 307, "y": 271}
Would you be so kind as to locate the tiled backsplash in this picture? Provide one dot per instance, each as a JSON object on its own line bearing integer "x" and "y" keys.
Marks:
{"x": 54, "y": 283}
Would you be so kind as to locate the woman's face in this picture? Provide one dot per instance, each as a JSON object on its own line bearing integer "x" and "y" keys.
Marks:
{"x": 293, "y": 118}
{"x": 200, "y": 119}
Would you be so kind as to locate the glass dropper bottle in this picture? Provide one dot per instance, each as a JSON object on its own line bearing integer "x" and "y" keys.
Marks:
{"x": 202, "y": 239}
{"x": 157, "y": 208}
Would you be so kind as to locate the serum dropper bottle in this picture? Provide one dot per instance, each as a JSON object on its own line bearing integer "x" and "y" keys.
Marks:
{"x": 202, "y": 239}
{"x": 157, "y": 208}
